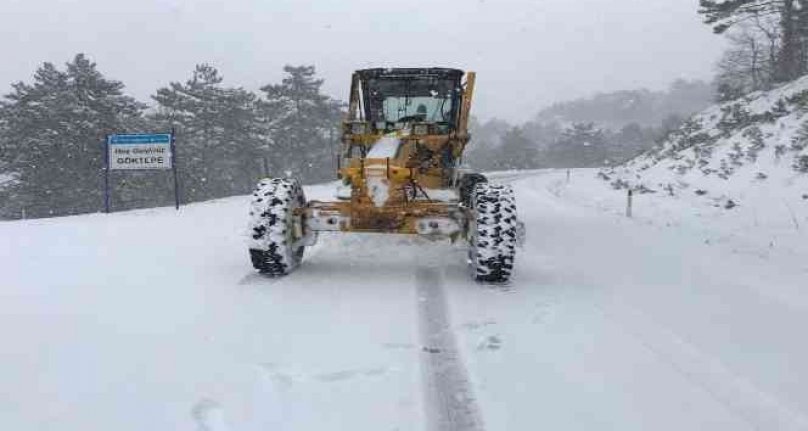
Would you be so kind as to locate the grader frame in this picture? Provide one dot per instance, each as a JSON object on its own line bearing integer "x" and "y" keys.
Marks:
{"x": 420, "y": 177}
{"x": 400, "y": 164}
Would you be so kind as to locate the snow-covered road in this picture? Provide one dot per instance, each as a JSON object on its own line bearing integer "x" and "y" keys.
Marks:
{"x": 154, "y": 320}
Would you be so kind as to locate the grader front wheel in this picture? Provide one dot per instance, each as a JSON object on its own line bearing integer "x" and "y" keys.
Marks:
{"x": 275, "y": 248}
{"x": 467, "y": 184}
{"x": 494, "y": 233}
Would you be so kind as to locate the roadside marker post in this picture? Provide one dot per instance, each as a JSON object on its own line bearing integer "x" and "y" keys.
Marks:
{"x": 629, "y": 203}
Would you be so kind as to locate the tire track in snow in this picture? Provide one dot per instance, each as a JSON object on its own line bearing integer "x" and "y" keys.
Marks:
{"x": 449, "y": 400}
{"x": 740, "y": 396}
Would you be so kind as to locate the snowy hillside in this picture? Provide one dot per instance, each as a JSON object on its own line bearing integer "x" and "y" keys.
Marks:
{"x": 751, "y": 154}
{"x": 154, "y": 320}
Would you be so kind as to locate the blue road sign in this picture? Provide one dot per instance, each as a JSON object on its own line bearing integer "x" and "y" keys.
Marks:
{"x": 140, "y": 138}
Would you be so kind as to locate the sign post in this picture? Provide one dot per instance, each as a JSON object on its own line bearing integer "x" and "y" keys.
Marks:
{"x": 139, "y": 151}
{"x": 106, "y": 175}
{"x": 174, "y": 168}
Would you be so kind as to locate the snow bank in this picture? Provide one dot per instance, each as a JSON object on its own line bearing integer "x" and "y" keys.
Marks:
{"x": 748, "y": 156}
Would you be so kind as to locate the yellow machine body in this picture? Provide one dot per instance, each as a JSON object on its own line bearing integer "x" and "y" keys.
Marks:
{"x": 402, "y": 144}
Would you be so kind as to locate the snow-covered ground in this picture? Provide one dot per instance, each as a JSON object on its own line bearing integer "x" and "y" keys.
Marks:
{"x": 679, "y": 318}
{"x": 750, "y": 153}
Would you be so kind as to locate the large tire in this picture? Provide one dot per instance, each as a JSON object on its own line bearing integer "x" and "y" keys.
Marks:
{"x": 274, "y": 244}
{"x": 466, "y": 186}
{"x": 493, "y": 233}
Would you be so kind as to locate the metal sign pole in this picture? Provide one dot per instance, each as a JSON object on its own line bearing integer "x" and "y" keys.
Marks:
{"x": 106, "y": 175}
{"x": 174, "y": 168}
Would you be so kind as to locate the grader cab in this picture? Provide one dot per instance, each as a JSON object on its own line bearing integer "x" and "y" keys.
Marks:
{"x": 401, "y": 172}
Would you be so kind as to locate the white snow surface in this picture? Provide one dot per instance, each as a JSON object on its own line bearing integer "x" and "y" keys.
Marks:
{"x": 679, "y": 318}
{"x": 378, "y": 185}
{"x": 742, "y": 151}
{"x": 375, "y": 172}
{"x": 386, "y": 146}
{"x": 439, "y": 195}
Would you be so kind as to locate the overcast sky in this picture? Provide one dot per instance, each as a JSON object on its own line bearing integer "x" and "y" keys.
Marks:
{"x": 528, "y": 53}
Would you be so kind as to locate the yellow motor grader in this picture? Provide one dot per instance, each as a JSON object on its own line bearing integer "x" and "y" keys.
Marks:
{"x": 401, "y": 172}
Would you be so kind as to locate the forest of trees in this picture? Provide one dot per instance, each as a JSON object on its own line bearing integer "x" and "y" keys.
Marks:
{"x": 769, "y": 43}
{"x": 605, "y": 129}
{"x": 497, "y": 145}
{"x": 52, "y": 135}
{"x": 639, "y": 106}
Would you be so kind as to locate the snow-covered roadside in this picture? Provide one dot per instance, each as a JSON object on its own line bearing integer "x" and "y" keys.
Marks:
{"x": 615, "y": 323}
{"x": 740, "y": 167}
{"x": 765, "y": 236}
{"x": 154, "y": 319}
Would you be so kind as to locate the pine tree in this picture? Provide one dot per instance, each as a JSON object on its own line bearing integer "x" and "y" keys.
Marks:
{"x": 484, "y": 152}
{"x": 218, "y": 145}
{"x": 517, "y": 151}
{"x": 53, "y": 137}
{"x": 8, "y": 149}
{"x": 300, "y": 125}
{"x": 793, "y": 27}
{"x": 580, "y": 145}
